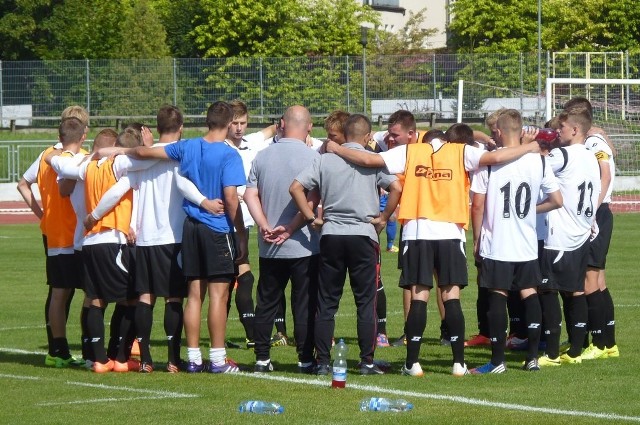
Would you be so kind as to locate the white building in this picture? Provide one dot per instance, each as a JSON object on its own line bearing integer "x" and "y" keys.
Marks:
{"x": 396, "y": 12}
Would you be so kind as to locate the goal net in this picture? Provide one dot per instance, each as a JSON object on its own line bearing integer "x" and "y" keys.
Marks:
{"x": 616, "y": 109}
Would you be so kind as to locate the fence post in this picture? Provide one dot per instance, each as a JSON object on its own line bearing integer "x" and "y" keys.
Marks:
{"x": 348, "y": 88}
{"x": 88, "y": 87}
{"x": 434, "y": 82}
{"x": 261, "y": 90}
{"x": 521, "y": 84}
{"x": 175, "y": 84}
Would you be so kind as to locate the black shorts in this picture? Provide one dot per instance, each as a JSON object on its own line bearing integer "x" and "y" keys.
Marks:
{"x": 510, "y": 275}
{"x": 108, "y": 267}
{"x": 159, "y": 271}
{"x": 564, "y": 270}
{"x": 65, "y": 271}
{"x": 446, "y": 258}
{"x": 207, "y": 254}
{"x": 599, "y": 247}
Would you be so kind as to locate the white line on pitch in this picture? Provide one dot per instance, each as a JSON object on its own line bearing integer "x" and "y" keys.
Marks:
{"x": 103, "y": 400}
{"x": 455, "y": 399}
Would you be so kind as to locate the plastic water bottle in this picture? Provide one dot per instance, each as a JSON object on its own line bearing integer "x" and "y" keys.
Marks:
{"x": 261, "y": 407}
{"x": 380, "y": 404}
{"x": 339, "y": 377}
{"x": 545, "y": 135}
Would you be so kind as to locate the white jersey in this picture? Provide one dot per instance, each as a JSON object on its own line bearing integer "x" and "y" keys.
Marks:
{"x": 578, "y": 174}
{"x": 395, "y": 160}
{"x": 603, "y": 152}
{"x": 249, "y": 147}
{"x": 160, "y": 217}
{"x": 509, "y": 223}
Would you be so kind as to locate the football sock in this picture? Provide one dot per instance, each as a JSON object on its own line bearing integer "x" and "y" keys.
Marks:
{"x": 60, "y": 348}
{"x": 579, "y": 315}
{"x": 86, "y": 344}
{"x": 416, "y": 323}
{"x": 217, "y": 356}
{"x": 46, "y": 320}
{"x": 244, "y": 302}
{"x": 482, "y": 308}
{"x": 114, "y": 330}
{"x": 173, "y": 321}
{"x": 381, "y": 308}
{"x": 454, "y": 322}
{"x": 552, "y": 319}
{"x": 127, "y": 333}
{"x": 497, "y": 318}
{"x": 517, "y": 321}
{"x": 194, "y": 355}
{"x": 610, "y": 321}
{"x": 596, "y": 314}
{"x": 144, "y": 323}
{"x": 533, "y": 318}
{"x": 391, "y": 230}
{"x": 95, "y": 330}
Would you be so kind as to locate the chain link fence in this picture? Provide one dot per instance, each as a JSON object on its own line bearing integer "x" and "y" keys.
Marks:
{"x": 34, "y": 93}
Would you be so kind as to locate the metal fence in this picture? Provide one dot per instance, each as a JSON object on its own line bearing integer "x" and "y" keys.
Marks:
{"x": 136, "y": 87}
{"x": 34, "y": 93}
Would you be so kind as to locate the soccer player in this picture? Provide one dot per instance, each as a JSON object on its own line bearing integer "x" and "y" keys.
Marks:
{"x": 287, "y": 250}
{"x": 58, "y": 161}
{"x": 64, "y": 272}
{"x": 600, "y": 304}
{"x": 30, "y": 178}
{"x": 504, "y": 234}
{"x": 566, "y": 247}
{"x": 247, "y": 145}
{"x": 435, "y": 209}
{"x": 349, "y": 238}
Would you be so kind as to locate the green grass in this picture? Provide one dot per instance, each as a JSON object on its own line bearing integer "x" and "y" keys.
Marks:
{"x": 32, "y": 393}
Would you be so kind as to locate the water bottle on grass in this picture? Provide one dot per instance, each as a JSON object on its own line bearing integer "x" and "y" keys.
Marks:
{"x": 381, "y": 404}
{"x": 260, "y": 407}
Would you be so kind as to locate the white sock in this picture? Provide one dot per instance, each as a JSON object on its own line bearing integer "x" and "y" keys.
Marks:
{"x": 218, "y": 356}
{"x": 194, "y": 355}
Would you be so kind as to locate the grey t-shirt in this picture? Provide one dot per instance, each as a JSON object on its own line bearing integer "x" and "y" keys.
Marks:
{"x": 350, "y": 196}
{"x": 272, "y": 172}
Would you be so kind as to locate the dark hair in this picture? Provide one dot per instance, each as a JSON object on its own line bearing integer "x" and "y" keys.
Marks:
{"x": 403, "y": 117}
{"x": 169, "y": 119}
{"x": 219, "y": 115}
{"x": 434, "y": 133}
{"x": 582, "y": 102}
{"x": 460, "y": 133}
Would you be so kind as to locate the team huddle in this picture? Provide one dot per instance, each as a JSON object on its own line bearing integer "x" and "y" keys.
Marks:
{"x": 136, "y": 220}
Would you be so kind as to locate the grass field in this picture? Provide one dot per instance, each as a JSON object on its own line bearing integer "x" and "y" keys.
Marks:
{"x": 596, "y": 392}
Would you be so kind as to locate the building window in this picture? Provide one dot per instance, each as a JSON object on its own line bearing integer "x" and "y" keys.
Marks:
{"x": 385, "y": 5}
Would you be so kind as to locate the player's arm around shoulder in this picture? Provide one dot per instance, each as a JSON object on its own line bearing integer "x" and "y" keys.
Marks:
{"x": 358, "y": 157}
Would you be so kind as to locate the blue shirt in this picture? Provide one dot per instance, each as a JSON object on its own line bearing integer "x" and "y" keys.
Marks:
{"x": 211, "y": 166}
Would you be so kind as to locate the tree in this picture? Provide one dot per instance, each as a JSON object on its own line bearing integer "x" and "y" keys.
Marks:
{"x": 179, "y": 18}
{"x": 141, "y": 32}
{"x": 502, "y": 26}
{"x": 271, "y": 28}
{"x": 20, "y": 34}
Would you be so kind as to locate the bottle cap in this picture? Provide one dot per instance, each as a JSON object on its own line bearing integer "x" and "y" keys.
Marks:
{"x": 409, "y": 406}
{"x": 280, "y": 409}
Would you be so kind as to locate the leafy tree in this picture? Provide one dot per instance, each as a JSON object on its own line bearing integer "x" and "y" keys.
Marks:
{"x": 20, "y": 34}
{"x": 179, "y": 18}
{"x": 271, "y": 28}
{"x": 141, "y": 32}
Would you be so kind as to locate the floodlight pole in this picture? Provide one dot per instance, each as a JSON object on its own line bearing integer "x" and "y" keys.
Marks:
{"x": 363, "y": 40}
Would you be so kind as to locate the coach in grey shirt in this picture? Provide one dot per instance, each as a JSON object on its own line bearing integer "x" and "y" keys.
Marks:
{"x": 350, "y": 226}
{"x": 288, "y": 249}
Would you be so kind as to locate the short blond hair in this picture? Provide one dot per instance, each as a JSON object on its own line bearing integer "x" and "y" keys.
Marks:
{"x": 76, "y": 111}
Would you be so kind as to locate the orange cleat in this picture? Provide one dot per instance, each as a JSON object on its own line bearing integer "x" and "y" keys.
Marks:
{"x": 477, "y": 340}
{"x": 130, "y": 365}
{"x": 98, "y": 367}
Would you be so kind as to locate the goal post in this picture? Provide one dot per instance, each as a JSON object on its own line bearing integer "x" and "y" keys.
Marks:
{"x": 616, "y": 109}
